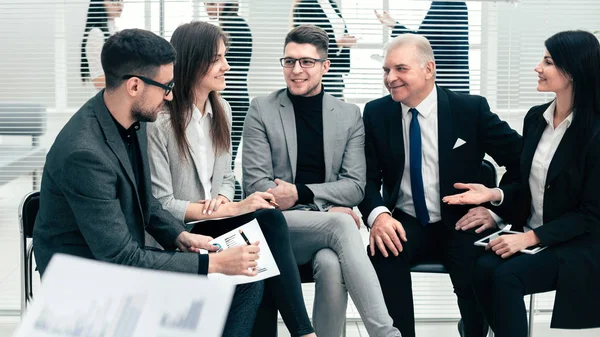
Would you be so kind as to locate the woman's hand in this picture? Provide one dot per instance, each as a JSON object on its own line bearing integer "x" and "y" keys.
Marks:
{"x": 476, "y": 194}
{"x": 506, "y": 245}
{"x": 212, "y": 205}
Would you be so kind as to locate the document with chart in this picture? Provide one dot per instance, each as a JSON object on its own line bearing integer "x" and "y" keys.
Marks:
{"x": 246, "y": 235}
{"x": 85, "y": 298}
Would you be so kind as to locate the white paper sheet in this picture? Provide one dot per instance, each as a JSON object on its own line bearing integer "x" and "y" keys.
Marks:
{"x": 85, "y": 298}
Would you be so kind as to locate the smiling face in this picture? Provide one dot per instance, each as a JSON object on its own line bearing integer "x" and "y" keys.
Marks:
{"x": 550, "y": 78}
{"x": 304, "y": 81}
{"x": 214, "y": 80}
{"x": 407, "y": 80}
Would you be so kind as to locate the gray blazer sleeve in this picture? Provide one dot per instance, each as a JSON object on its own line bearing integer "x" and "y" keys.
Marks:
{"x": 97, "y": 210}
{"x": 349, "y": 188}
{"x": 227, "y": 187}
{"x": 160, "y": 170}
{"x": 257, "y": 163}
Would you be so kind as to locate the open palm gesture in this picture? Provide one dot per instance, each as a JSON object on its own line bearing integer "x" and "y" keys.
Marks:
{"x": 476, "y": 194}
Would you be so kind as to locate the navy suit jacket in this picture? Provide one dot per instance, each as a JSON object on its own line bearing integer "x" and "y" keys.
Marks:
{"x": 467, "y": 117}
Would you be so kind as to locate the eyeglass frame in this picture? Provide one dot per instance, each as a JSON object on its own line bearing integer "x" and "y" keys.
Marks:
{"x": 168, "y": 88}
{"x": 296, "y": 60}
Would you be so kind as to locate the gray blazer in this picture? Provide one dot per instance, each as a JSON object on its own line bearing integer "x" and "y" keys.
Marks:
{"x": 270, "y": 149}
{"x": 175, "y": 180}
{"x": 91, "y": 206}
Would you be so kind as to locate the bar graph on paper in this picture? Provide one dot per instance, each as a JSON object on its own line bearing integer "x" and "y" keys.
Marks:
{"x": 188, "y": 319}
{"x": 101, "y": 318}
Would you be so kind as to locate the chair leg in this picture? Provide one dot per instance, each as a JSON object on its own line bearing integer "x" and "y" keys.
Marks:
{"x": 531, "y": 314}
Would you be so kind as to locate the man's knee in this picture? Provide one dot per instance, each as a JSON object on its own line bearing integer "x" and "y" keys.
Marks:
{"x": 326, "y": 267}
{"x": 343, "y": 227}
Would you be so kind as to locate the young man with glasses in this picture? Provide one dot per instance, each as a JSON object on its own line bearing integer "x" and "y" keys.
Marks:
{"x": 307, "y": 148}
{"x": 96, "y": 199}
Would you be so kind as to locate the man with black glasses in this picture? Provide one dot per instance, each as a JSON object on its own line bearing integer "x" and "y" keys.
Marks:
{"x": 307, "y": 148}
{"x": 96, "y": 199}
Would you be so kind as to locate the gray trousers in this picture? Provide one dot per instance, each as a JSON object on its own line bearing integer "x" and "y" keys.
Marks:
{"x": 340, "y": 266}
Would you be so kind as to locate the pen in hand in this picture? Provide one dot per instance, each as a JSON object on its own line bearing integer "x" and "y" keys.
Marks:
{"x": 244, "y": 237}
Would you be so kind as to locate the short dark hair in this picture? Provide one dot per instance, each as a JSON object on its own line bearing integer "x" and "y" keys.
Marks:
{"x": 309, "y": 34}
{"x": 134, "y": 52}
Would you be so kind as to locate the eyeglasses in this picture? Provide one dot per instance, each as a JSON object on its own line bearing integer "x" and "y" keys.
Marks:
{"x": 305, "y": 62}
{"x": 167, "y": 87}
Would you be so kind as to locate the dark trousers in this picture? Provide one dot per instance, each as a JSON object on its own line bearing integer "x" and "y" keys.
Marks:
{"x": 500, "y": 285}
{"x": 285, "y": 289}
{"x": 453, "y": 248}
{"x": 246, "y": 300}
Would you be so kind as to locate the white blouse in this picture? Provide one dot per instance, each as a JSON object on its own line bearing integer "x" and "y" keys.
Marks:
{"x": 204, "y": 146}
{"x": 335, "y": 20}
{"x": 541, "y": 161}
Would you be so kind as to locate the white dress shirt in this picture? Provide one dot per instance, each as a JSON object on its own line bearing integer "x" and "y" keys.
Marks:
{"x": 428, "y": 121}
{"x": 93, "y": 48}
{"x": 541, "y": 161}
{"x": 204, "y": 147}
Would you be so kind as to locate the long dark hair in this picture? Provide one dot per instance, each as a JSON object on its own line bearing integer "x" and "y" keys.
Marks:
{"x": 96, "y": 18}
{"x": 576, "y": 54}
{"x": 197, "y": 44}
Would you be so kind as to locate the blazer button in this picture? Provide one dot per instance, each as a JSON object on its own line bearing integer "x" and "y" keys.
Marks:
{"x": 548, "y": 186}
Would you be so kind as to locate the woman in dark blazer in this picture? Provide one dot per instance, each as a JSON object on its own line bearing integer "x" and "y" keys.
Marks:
{"x": 313, "y": 12}
{"x": 239, "y": 55}
{"x": 556, "y": 201}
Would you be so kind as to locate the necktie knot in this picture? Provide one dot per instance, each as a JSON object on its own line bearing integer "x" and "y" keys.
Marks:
{"x": 414, "y": 112}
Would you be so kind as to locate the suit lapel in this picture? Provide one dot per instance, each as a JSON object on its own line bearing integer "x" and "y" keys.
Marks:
{"x": 446, "y": 139}
{"x": 191, "y": 133}
{"x": 330, "y": 131}
{"x": 288, "y": 120}
{"x": 113, "y": 139}
{"x": 563, "y": 155}
{"x": 530, "y": 145}
{"x": 396, "y": 138}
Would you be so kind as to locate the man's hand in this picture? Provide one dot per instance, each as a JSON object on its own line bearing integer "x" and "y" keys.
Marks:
{"x": 256, "y": 201}
{"x": 212, "y": 205}
{"x": 239, "y": 260}
{"x": 348, "y": 211}
{"x": 188, "y": 242}
{"x": 286, "y": 194}
{"x": 346, "y": 41}
{"x": 478, "y": 216}
{"x": 476, "y": 194}
{"x": 507, "y": 245}
{"x": 386, "y": 232}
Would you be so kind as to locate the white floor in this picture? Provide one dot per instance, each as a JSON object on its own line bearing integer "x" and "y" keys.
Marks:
{"x": 356, "y": 329}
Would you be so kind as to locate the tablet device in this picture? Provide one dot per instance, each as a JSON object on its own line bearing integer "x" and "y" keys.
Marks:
{"x": 506, "y": 231}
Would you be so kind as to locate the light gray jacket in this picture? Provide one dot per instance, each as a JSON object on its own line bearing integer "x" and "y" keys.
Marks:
{"x": 175, "y": 180}
{"x": 270, "y": 149}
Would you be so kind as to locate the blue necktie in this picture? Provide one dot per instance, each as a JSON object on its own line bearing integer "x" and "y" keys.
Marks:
{"x": 416, "y": 172}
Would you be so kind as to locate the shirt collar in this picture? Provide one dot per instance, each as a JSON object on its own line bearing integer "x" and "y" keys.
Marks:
{"x": 197, "y": 116}
{"x": 426, "y": 106}
{"x": 549, "y": 116}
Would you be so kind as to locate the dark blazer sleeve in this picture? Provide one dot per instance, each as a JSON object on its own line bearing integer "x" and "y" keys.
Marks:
{"x": 98, "y": 214}
{"x": 373, "y": 198}
{"x": 585, "y": 218}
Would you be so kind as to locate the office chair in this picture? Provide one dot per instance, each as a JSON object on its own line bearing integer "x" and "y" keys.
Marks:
{"x": 28, "y": 210}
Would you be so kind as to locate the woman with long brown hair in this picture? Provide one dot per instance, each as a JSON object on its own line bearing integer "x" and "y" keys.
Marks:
{"x": 190, "y": 161}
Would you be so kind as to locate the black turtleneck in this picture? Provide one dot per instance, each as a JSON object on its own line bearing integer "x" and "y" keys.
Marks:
{"x": 310, "y": 164}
